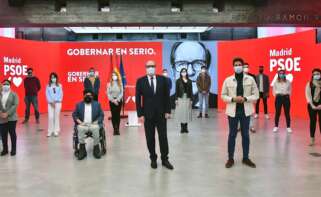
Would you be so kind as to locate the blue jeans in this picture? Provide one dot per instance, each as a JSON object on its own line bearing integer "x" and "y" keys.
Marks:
{"x": 233, "y": 124}
{"x": 34, "y": 101}
{"x": 203, "y": 98}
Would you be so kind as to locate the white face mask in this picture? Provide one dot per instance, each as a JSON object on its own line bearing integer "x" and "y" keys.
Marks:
{"x": 203, "y": 71}
{"x": 53, "y": 80}
{"x": 165, "y": 74}
{"x": 238, "y": 69}
{"x": 317, "y": 77}
{"x": 115, "y": 78}
{"x": 6, "y": 88}
{"x": 150, "y": 70}
{"x": 184, "y": 74}
{"x": 91, "y": 73}
{"x": 246, "y": 70}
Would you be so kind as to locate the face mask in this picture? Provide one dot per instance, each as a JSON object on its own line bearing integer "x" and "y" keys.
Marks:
{"x": 246, "y": 70}
{"x": 184, "y": 74}
{"x": 238, "y": 69}
{"x": 30, "y": 73}
{"x": 317, "y": 77}
{"x": 261, "y": 70}
{"x": 115, "y": 78}
{"x": 87, "y": 99}
{"x": 54, "y": 80}
{"x": 165, "y": 74}
{"x": 282, "y": 76}
{"x": 91, "y": 73}
{"x": 150, "y": 70}
{"x": 6, "y": 88}
{"x": 203, "y": 71}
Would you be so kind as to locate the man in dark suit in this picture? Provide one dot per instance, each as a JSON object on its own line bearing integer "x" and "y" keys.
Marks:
{"x": 92, "y": 82}
{"x": 263, "y": 83}
{"x": 153, "y": 107}
{"x": 88, "y": 117}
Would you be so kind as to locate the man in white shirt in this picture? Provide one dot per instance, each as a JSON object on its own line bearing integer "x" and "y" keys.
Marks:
{"x": 88, "y": 117}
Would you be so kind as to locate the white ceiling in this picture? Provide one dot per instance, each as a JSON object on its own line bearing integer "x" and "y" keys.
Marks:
{"x": 145, "y": 29}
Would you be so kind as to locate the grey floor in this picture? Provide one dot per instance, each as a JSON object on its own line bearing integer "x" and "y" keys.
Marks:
{"x": 46, "y": 167}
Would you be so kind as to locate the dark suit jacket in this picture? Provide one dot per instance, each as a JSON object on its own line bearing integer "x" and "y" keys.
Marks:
{"x": 149, "y": 104}
{"x": 97, "y": 113}
{"x": 266, "y": 84}
{"x": 89, "y": 86}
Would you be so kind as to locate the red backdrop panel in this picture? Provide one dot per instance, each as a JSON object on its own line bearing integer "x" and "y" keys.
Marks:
{"x": 258, "y": 52}
{"x": 71, "y": 60}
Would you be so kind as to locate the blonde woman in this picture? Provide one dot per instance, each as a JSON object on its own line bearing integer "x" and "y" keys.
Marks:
{"x": 115, "y": 96}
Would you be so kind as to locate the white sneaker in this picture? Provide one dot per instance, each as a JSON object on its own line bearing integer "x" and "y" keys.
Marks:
{"x": 48, "y": 135}
{"x": 267, "y": 116}
{"x": 275, "y": 129}
{"x": 289, "y": 130}
{"x": 256, "y": 115}
{"x": 56, "y": 134}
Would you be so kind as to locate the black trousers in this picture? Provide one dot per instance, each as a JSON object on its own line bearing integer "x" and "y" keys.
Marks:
{"x": 115, "y": 114}
{"x": 282, "y": 101}
{"x": 257, "y": 108}
{"x": 150, "y": 125}
{"x": 313, "y": 114}
{"x": 9, "y": 127}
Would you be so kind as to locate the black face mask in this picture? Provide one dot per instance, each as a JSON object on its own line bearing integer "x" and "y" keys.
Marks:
{"x": 30, "y": 73}
{"x": 87, "y": 99}
{"x": 261, "y": 70}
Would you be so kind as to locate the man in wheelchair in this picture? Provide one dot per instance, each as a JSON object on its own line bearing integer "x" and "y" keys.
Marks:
{"x": 88, "y": 117}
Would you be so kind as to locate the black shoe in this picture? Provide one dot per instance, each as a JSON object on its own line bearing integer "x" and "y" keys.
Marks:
{"x": 3, "y": 153}
{"x": 200, "y": 115}
{"x": 182, "y": 128}
{"x": 249, "y": 163}
{"x": 13, "y": 153}
{"x": 96, "y": 152}
{"x": 229, "y": 163}
{"x": 153, "y": 164}
{"x": 167, "y": 165}
{"x": 185, "y": 128}
{"x": 82, "y": 152}
{"x": 116, "y": 132}
{"x": 24, "y": 121}
{"x": 206, "y": 115}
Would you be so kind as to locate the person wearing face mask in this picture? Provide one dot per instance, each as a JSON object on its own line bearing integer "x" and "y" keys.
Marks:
{"x": 115, "y": 96}
{"x": 263, "y": 83}
{"x": 32, "y": 87}
{"x": 8, "y": 117}
{"x": 239, "y": 92}
{"x": 313, "y": 95}
{"x": 88, "y": 117}
{"x": 203, "y": 83}
{"x": 282, "y": 90}
{"x": 54, "y": 95}
{"x": 153, "y": 108}
{"x": 184, "y": 93}
{"x": 169, "y": 81}
{"x": 92, "y": 82}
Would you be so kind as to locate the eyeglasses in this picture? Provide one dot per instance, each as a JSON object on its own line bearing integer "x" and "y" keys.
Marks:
{"x": 238, "y": 65}
{"x": 196, "y": 65}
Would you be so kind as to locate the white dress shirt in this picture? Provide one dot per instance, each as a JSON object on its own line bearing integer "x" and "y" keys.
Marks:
{"x": 4, "y": 99}
{"x": 282, "y": 88}
{"x": 261, "y": 83}
{"x": 154, "y": 81}
{"x": 88, "y": 114}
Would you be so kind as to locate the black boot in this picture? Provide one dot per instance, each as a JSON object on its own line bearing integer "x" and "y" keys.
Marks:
{"x": 82, "y": 152}
{"x": 200, "y": 115}
{"x": 186, "y": 129}
{"x": 182, "y": 128}
{"x": 96, "y": 151}
{"x": 4, "y": 152}
{"x": 116, "y": 131}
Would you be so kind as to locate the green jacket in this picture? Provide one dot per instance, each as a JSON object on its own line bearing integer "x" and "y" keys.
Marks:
{"x": 10, "y": 108}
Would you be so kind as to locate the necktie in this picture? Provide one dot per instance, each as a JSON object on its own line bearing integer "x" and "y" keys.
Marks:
{"x": 152, "y": 84}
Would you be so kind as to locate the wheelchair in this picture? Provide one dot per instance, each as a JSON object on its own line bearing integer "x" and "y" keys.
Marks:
{"x": 102, "y": 141}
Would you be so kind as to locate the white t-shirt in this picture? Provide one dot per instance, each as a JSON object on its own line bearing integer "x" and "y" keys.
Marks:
{"x": 88, "y": 114}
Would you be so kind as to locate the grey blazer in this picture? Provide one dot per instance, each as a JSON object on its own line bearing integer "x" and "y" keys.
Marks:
{"x": 11, "y": 108}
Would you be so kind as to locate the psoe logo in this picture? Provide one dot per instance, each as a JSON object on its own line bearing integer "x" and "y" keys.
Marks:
{"x": 14, "y": 70}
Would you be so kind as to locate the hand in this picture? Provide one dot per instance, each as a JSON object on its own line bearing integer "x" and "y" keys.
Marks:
{"x": 167, "y": 116}
{"x": 142, "y": 119}
{"x": 53, "y": 104}
{"x": 79, "y": 121}
{"x": 204, "y": 92}
{"x": 313, "y": 107}
{"x": 176, "y": 103}
{"x": 239, "y": 99}
{"x": 116, "y": 102}
{"x": 318, "y": 107}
